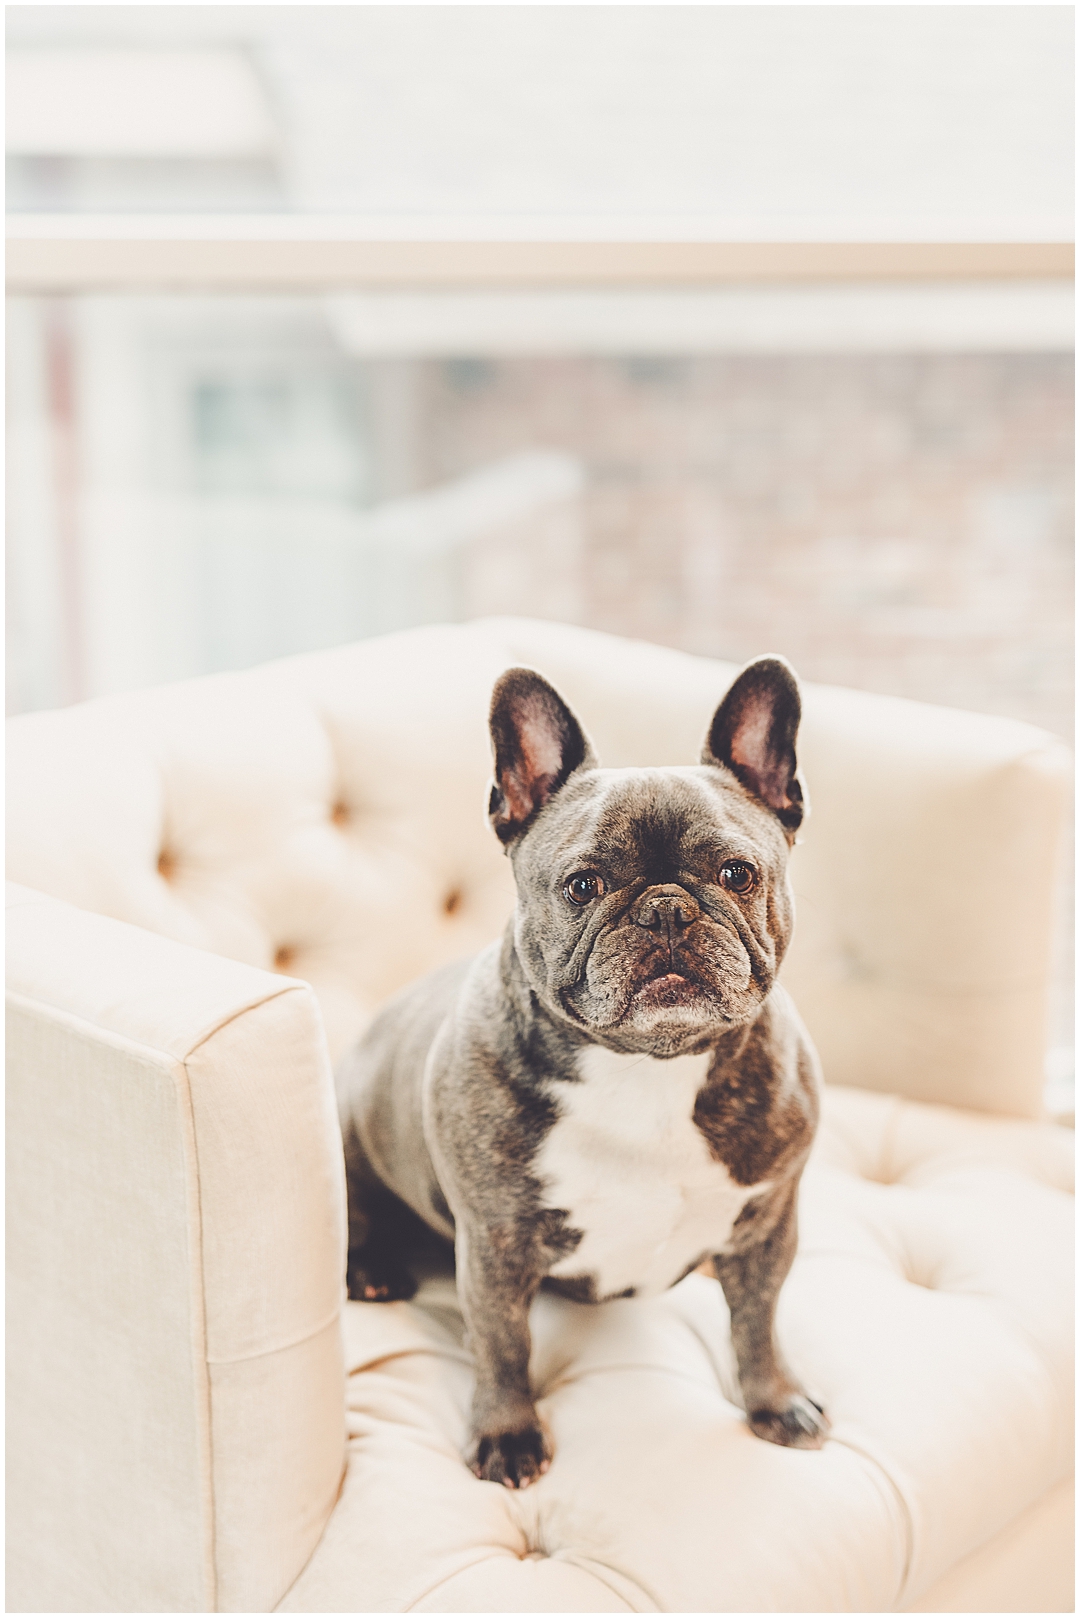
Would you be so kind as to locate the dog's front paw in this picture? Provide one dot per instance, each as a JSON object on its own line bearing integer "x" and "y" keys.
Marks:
{"x": 795, "y": 1421}
{"x": 514, "y": 1459}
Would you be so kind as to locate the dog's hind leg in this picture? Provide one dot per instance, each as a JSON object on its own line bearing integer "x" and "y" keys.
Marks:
{"x": 380, "y": 1228}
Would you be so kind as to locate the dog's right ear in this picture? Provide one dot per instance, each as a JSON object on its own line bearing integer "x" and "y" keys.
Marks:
{"x": 538, "y": 744}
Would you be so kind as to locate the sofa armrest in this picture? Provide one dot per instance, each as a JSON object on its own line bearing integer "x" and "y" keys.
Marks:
{"x": 176, "y": 1252}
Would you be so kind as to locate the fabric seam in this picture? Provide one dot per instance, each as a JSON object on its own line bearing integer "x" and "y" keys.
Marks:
{"x": 242, "y": 1011}
{"x": 277, "y": 1348}
{"x": 492, "y": 1557}
{"x": 130, "y": 1041}
{"x": 204, "y": 1414}
{"x": 589, "y": 1565}
{"x": 906, "y": 1516}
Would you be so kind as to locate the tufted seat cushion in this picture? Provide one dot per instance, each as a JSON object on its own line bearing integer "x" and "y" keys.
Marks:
{"x": 924, "y": 1305}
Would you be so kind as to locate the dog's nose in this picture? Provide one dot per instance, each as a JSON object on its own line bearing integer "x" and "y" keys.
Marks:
{"x": 668, "y": 910}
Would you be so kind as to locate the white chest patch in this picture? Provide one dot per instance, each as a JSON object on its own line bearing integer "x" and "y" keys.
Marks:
{"x": 633, "y": 1173}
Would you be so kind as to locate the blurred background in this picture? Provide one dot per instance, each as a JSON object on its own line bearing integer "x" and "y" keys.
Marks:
{"x": 736, "y": 328}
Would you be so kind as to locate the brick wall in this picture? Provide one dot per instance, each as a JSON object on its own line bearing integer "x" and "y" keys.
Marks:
{"x": 902, "y": 524}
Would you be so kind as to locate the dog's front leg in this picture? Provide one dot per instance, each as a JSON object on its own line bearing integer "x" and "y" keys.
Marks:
{"x": 496, "y": 1288}
{"x": 777, "y": 1407}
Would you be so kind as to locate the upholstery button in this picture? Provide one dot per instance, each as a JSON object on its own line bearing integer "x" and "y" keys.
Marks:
{"x": 166, "y": 865}
{"x": 452, "y": 901}
{"x": 921, "y": 1270}
{"x": 339, "y": 813}
{"x": 283, "y": 958}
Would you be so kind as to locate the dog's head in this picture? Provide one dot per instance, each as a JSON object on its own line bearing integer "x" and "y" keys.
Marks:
{"x": 653, "y": 904}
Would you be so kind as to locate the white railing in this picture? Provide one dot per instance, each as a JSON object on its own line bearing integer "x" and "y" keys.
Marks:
{"x": 313, "y": 253}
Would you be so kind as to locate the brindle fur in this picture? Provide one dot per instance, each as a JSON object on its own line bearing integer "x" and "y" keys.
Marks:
{"x": 449, "y": 1098}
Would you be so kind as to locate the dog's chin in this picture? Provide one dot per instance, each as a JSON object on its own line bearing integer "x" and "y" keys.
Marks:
{"x": 669, "y": 1010}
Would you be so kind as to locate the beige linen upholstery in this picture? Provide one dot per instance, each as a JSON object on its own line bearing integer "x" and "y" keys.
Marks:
{"x": 175, "y": 1253}
{"x": 176, "y": 1422}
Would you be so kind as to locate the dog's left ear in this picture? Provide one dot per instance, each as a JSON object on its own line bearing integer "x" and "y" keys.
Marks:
{"x": 538, "y": 744}
{"x": 753, "y": 735}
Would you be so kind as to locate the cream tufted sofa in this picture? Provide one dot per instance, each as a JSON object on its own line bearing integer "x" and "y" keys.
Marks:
{"x": 219, "y": 881}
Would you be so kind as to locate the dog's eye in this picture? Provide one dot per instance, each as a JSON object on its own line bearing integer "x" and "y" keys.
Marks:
{"x": 583, "y": 889}
{"x": 738, "y": 876}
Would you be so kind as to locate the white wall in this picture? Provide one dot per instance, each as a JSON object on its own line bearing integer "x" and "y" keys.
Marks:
{"x": 834, "y": 122}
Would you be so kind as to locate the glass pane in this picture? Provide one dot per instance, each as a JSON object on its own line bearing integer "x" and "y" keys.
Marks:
{"x": 200, "y": 484}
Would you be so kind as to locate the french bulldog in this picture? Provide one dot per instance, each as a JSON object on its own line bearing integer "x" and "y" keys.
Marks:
{"x": 619, "y": 1089}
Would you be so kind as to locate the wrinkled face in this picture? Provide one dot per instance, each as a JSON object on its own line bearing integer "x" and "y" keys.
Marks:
{"x": 653, "y": 905}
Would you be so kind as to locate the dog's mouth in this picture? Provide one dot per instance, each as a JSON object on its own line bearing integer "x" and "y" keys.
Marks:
{"x": 668, "y": 988}
{"x": 650, "y": 987}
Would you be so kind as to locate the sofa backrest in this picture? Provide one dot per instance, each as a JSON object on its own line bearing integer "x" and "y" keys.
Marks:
{"x": 325, "y": 817}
